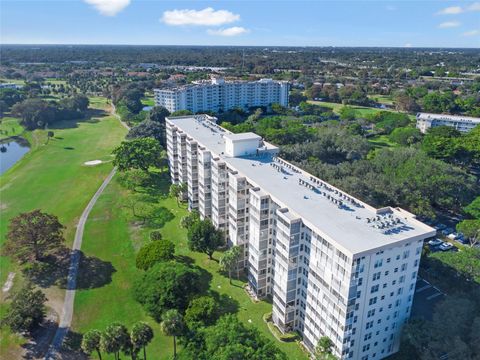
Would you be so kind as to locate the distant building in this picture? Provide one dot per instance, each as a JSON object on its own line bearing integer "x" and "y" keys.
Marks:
{"x": 426, "y": 121}
{"x": 10, "y": 86}
{"x": 218, "y": 95}
{"x": 332, "y": 265}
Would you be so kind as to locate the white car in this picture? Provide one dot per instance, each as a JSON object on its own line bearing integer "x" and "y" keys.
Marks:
{"x": 435, "y": 242}
{"x": 446, "y": 246}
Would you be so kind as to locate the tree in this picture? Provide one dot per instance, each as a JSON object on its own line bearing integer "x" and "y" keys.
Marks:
{"x": 33, "y": 236}
{"x": 473, "y": 209}
{"x": 26, "y": 310}
{"x": 201, "y": 312}
{"x": 465, "y": 262}
{"x": 34, "y": 113}
{"x": 148, "y": 129}
{"x": 91, "y": 342}
{"x": 141, "y": 335}
{"x": 229, "y": 260}
{"x": 174, "y": 192}
{"x": 172, "y": 325}
{"x": 158, "y": 115}
{"x": 406, "y": 136}
{"x": 471, "y": 230}
{"x": 188, "y": 220}
{"x": 347, "y": 113}
{"x": 140, "y": 154}
{"x": 296, "y": 97}
{"x": 231, "y": 339}
{"x": 323, "y": 351}
{"x": 154, "y": 252}
{"x": 181, "y": 113}
{"x": 155, "y": 235}
{"x": 165, "y": 286}
{"x": 50, "y": 134}
{"x": 114, "y": 339}
{"x": 203, "y": 237}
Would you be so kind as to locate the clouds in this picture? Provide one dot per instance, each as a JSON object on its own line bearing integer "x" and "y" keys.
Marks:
{"x": 449, "y": 24}
{"x": 471, "y": 33}
{"x": 205, "y": 17}
{"x": 232, "y": 31}
{"x": 108, "y": 7}
{"x": 455, "y": 10}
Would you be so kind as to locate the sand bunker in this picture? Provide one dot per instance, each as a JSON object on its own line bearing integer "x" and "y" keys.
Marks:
{"x": 93, "y": 162}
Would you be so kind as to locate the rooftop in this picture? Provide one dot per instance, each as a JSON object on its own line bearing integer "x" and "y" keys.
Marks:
{"x": 351, "y": 224}
{"x": 243, "y": 136}
{"x": 428, "y": 116}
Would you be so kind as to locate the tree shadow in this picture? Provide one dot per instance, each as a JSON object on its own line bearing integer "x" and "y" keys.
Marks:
{"x": 226, "y": 303}
{"x": 187, "y": 260}
{"x": 54, "y": 270}
{"x": 159, "y": 217}
{"x": 40, "y": 338}
{"x": 91, "y": 117}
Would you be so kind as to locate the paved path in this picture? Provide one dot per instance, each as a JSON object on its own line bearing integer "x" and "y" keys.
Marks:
{"x": 67, "y": 310}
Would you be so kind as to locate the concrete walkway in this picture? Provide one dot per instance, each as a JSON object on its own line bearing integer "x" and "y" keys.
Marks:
{"x": 67, "y": 310}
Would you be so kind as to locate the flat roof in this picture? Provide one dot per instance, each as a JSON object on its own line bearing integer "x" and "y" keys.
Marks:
{"x": 243, "y": 136}
{"x": 456, "y": 118}
{"x": 354, "y": 226}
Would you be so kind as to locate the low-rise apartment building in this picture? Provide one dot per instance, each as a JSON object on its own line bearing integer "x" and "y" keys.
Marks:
{"x": 333, "y": 265}
{"x": 462, "y": 123}
{"x": 218, "y": 95}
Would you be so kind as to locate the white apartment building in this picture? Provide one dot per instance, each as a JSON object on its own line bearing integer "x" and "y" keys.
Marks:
{"x": 219, "y": 95}
{"x": 426, "y": 121}
{"x": 333, "y": 265}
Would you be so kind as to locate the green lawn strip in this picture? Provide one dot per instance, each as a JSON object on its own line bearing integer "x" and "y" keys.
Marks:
{"x": 110, "y": 236}
{"x": 148, "y": 101}
{"x": 10, "y": 126}
{"x": 361, "y": 110}
{"x": 53, "y": 177}
{"x": 381, "y": 141}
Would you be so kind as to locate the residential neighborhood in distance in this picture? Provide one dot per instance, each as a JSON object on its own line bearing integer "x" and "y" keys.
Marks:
{"x": 239, "y": 180}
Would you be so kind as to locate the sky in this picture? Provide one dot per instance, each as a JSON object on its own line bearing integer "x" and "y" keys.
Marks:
{"x": 421, "y": 23}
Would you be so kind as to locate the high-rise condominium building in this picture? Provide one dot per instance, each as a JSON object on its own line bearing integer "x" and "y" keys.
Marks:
{"x": 333, "y": 265}
{"x": 462, "y": 123}
{"x": 219, "y": 95}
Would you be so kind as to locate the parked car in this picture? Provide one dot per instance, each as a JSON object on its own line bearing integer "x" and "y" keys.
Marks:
{"x": 439, "y": 227}
{"x": 435, "y": 242}
{"x": 447, "y": 231}
{"x": 445, "y": 246}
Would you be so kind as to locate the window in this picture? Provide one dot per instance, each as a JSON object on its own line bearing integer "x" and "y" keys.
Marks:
{"x": 372, "y": 300}
{"x": 376, "y": 276}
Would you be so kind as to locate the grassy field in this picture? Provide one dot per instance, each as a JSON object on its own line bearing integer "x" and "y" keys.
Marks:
{"x": 381, "y": 141}
{"x": 382, "y": 99}
{"x": 361, "y": 110}
{"x": 10, "y": 126}
{"x": 49, "y": 175}
{"x": 111, "y": 236}
{"x": 148, "y": 101}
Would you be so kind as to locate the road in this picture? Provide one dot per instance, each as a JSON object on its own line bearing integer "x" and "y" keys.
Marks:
{"x": 67, "y": 310}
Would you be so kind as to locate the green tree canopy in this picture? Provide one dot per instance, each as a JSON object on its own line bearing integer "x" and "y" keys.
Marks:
{"x": 154, "y": 252}
{"x": 114, "y": 338}
{"x": 141, "y": 153}
{"x": 91, "y": 342}
{"x": 33, "y": 235}
{"x": 172, "y": 325}
{"x": 203, "y": 237}
{"x": 202, "y": 311}
{"x": 141, "y": 335}
{"x": 26, "y": 310}
{"x": 165, "y": 286}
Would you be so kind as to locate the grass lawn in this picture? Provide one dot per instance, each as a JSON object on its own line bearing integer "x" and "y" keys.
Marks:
{"x": 148, "y": 101}
{"x": 361, "y": 110}
{"x": 381, "y": 141}
{"x": 10, "y": 126}
{"x": 53, "y": 178}
{"x": 382, "y": 99}
{"x": 111, "y": 236}
{"x": 12, "y": 81}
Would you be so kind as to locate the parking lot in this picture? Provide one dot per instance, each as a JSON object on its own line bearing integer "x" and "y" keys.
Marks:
{"x": 425, "y": 298}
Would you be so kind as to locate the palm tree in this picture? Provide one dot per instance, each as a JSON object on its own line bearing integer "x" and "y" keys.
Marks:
{"x": 229, "y": 260}
{"x": 141, "y": 335}
{"x": 172, "y": 325}
{"x": 114, "y": 339}
{"x": 91, "y": 341}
